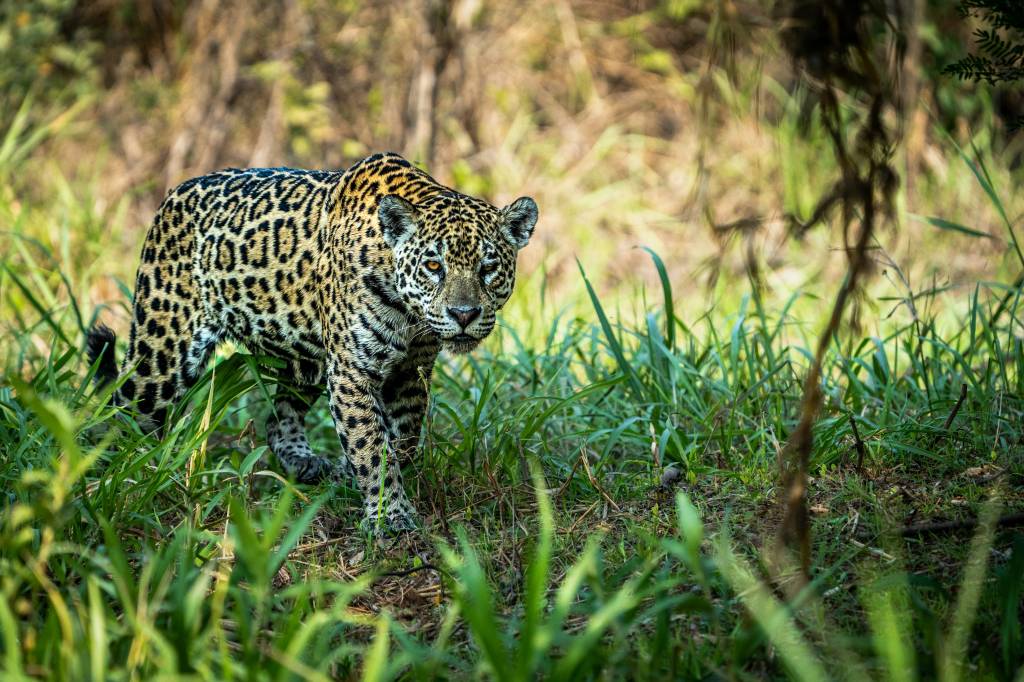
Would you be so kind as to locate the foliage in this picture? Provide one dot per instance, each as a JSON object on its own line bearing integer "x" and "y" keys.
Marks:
{"x": 123, "y": 554}
{"x": 1000, "y": 45}
{"x": 1001, "y": 57}
{"x": 597, "y": 479}
{"x": 40, "y": 55}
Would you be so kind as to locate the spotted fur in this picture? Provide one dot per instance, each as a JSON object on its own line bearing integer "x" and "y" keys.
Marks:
{"x": 356, "y": 279}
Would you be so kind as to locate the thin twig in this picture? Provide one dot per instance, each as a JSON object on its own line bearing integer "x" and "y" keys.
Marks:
{"x": 956, "y": 408}
{"x": 1016, "y": 519}
{"x": 593, "y": 481}
{"x": 580, "y": 520}
{"x": 561, "y": 488}
{"x": 414, "y": 569}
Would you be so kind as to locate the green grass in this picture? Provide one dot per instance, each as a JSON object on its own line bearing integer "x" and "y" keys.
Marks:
{"x": 598, "y": 490}
{"x": 124, "y": 555}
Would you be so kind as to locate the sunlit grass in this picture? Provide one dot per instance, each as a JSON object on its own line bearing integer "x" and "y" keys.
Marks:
{"x": 165, "y": 559}
{"x": 597, "y": 484}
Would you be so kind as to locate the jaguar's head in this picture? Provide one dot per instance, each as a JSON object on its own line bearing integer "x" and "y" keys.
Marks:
{"x": 455, "y": 260}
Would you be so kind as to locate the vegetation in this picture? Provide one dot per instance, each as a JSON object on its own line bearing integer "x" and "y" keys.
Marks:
{"x": 1000, "y": 50}
{"x": 1000, "y": 57}
{"x": 600, "y": 482}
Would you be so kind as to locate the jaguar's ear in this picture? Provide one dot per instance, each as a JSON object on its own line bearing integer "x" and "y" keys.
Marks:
{"x": 520, "y": 217}
{"x": 397, "y": 219}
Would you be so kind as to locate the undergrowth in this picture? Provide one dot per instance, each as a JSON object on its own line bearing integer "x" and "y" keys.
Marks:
{"x": 123, "y": 554}
{"x": 596, "y": 493}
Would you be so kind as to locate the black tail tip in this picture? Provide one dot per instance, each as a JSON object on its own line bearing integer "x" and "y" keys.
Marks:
{"x": 99, "y": 345}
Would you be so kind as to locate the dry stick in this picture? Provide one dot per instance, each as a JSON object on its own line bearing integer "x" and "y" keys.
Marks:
{"x": 593, "y": 481}
{"x": 956, "y": 408}
{"x": 409, "y": 571}
{"x": 580, "y": 520}
{"x": 561, "y": 488}
{"x": 963, "y": 524}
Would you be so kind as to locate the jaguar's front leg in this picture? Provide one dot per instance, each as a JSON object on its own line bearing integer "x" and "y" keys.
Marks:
{"x": 286, "y": 436}
{"x": 362, "y": 428}
{"x": 405, "y": 394}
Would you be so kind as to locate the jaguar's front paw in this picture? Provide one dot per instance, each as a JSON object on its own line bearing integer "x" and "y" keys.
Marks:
{"x": 343, "y": 472}
{"x": 392, "y": 517}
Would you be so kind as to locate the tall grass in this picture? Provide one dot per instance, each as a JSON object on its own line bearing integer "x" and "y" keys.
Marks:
{"x": 125, "y": 555}
{"x": 595, "y": 489}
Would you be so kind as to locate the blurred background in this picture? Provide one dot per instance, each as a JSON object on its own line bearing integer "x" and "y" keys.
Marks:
{"x": 651, "y": 123}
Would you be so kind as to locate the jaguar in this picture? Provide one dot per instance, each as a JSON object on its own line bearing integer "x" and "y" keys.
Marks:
{"x": 354, "y": 280}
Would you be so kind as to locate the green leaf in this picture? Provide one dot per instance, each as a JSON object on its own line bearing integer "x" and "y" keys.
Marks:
{"x": 944, "y": 224}
{"x": 613, "y": 341}
{"x": 691, "y": 528}
{"x": 375, "y": 663}
{"x": 476, "y": 601}
{"x": 666, "y": 293}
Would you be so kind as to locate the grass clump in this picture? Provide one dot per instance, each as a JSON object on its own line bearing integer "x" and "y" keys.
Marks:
{"x": 124, "y": 554}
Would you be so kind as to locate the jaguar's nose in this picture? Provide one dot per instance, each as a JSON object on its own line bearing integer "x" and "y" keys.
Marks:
{"x": 464, "y": 315}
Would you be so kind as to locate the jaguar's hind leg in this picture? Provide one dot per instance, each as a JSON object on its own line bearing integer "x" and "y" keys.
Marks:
{"x": 162, "y": 366}
{"x": 286, "y": 436}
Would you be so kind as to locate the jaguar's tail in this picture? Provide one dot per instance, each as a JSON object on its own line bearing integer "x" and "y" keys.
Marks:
{"x": 99, "y": 345}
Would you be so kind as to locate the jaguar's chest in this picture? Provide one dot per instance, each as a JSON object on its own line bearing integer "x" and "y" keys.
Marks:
{"x": 381, "y": 338}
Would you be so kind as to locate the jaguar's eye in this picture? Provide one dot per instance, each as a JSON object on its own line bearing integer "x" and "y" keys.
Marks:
{"x": 432, "y": 266}
{"x": 488, "y": 268}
